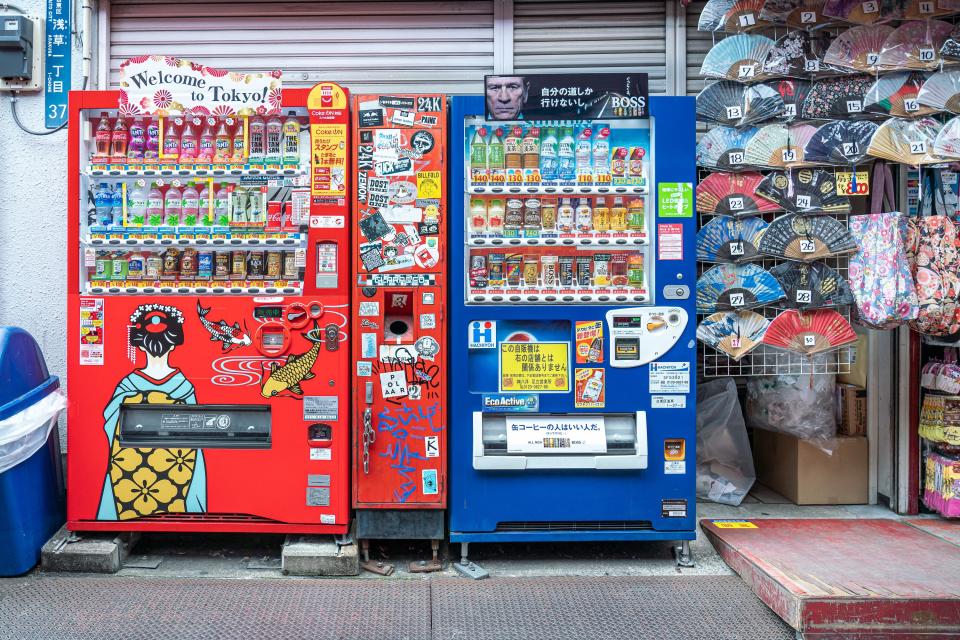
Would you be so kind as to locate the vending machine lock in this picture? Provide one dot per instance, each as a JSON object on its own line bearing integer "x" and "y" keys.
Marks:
{"x": 331, "y": 334}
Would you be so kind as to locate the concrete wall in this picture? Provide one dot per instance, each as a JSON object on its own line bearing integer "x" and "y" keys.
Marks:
{"x": 33, "y": 225}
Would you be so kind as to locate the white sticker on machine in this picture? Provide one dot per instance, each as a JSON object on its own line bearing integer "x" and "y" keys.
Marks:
{"x": 669, "y": 377}
{"x": 320, "y": 408}
{"x": 668, "y": 402}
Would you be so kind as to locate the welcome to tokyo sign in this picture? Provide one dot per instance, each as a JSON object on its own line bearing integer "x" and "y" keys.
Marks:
{"x": 166, "y": 85}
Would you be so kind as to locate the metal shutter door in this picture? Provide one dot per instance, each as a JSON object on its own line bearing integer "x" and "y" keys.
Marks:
{"x": 553, "y": 36}
{"x": 364, "y": 45}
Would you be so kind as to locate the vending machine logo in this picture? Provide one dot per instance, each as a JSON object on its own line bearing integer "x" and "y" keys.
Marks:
{"x": 483, "y": 334}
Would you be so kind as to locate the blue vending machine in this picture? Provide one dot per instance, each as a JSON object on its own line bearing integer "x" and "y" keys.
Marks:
{"x": 572, "y": 333}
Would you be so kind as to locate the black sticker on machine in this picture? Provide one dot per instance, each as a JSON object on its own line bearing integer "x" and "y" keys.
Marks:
{"x": 397, "y": 102}
{"x": 370, "y": 256}
{"x": 371, "y": 117}
{"x": 374, "y": 227}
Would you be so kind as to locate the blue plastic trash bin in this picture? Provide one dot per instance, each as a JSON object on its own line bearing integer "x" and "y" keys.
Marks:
{"x": 31, "y": 475}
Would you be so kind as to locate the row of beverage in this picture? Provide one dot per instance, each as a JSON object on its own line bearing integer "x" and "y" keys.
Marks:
{"x": 558, "y": 153}
{"x": 532, "y": 217}
{"x": 173, "y": 206}
{"x": 198, "y": 140}
{"x": 552, "y": 271}
{"x": 194, "y": 264}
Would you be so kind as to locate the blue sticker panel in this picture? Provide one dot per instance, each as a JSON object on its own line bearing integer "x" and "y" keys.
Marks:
{"x": 430, "y": 485}
{"x": 510, "y": 402}
{"x": 57, "y": 52}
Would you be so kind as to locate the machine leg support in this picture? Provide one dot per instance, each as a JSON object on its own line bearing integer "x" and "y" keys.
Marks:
{"x": 469, "y": 569}
{"x": 422, "y": 566}
{"x": 379, "y": 566}
{"x": 683, "y": 554}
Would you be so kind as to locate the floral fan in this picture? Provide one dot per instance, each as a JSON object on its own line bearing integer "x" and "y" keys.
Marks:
{"x": 950, "y": 51}
{"x": 779, "y": 145}
{"x": 897, "y": 94}
{"x": 837, "y": 98}
{"x": 805, "y": 191}
{"x": 732, "y": 194}
{"x": 811, "y": 285}
{"x": 907, "y": 141}
{"x": 809, "y": 332}
{"x": 723, "y": 147}
{"x": 915, "y": 45}
{"x": 738, "y": 57}
{"x": 802, "y": 14}
{"x": 947, "y": 143}
{"x": 840, "y": 142}
{"x": 799, "y": 54}
{"x": 806, "y": 238}
{"x": 734, "y": 333}
{"x": 726, "y": 287}
{"x": 858, "y": 48}
{"x": 853, "y": 10}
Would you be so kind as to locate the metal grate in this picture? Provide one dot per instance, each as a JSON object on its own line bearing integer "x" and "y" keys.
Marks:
{"x": 587, "y": 525}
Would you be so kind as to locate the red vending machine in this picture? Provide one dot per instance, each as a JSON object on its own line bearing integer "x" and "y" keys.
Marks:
{"x": 400, "y": 355}
{"x": 208, "y": 309}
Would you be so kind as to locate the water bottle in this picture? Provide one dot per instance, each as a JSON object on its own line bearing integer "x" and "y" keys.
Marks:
{"x": 566, "y": 156}
{"x": 116, "y": 205}
{"x": 102, "y": 200}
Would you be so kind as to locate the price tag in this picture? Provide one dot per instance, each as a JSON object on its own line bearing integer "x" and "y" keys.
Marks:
{"x": 790, "y": 110}
{"x": 808, "y": 246}
{"x": 747, "y": 71}
{"x": 747, "y": 20}
{"x": 872, "y": 59}
{"x": 850, "y": 149}
{"x": 734, "y": 112}
{"x": 871, "y": 7}
{"x": 811, "y": 65}
{"x": 809, "y": 340}
{"x": 911, "y": 105}
{"x": 926, "y": 7}
{"x": 918, "y": 146}
{"x": 803, "y": 202}
{"x": 790, "y": 155}
{"x": 808, "y": 17}
{"x": 735, "y": 157}
{"x": 804, "y": 296}
{"x": 737, "y": 300}
{"x": 854, "y": 106}
{"x": 927, "y": 55}
{"x": 736, "y": 203}
{"x": 734, "y": 342}
{"x": 736, "y": 248}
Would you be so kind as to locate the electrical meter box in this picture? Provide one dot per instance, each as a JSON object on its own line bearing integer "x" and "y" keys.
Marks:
{"x": 16, "y": 47}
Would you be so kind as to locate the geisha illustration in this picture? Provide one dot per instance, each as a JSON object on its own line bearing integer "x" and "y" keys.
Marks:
{"x": 147, "y": 482}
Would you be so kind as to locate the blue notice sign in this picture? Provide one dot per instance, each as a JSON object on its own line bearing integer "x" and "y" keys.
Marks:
{"x": 57, "y": 51}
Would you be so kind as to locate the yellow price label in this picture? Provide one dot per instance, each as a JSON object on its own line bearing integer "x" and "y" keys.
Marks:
{"x": 734, "y": 524}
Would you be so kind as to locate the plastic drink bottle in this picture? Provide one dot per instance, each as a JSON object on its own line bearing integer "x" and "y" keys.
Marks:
{"x": 103, "y": 202}
{"x": 274, "y": 155}
{"x": 549, "y": 161}
{"x": 478, "y": 215}
{"x": 135, "y": 266}
{"x": 601, "y": 215}
{"x": 172, "y": 206}
{"x": 223, "y": 144}
{"x": 151, "y": 150}
{"x": 583, "y": 151}
{"x": 138, "y": 141}
{"x": 601, "y": 147}
{"x": 119, "y": 138}
{"x": 188, "y": 141}
{"x": 530, "y": 148}
{"x": 154, "y": 206}
{"x": 116, "y": 205}
{"x": 566, "y": 160}
{"x": 565, "y": 216}
{"x": 257, "y": 149}
{"x": 495, "y": 159}
{"x": 103, "y": 138}
{"x": 137, "y": 210}
{"x": 239, "y": 145}
{"x": 618, "y": 215}
{"x": 291, "y": 139}
{"x": 478, "y": 149}
{"x": 190, "y": 206}
{"x": 512, "y": 153}
{"x": 220, "y": 210}
{"x": 584, "y": 216}
{"x": 171, "y": 141}
{"x": 203, "y": 202}
{"x": 635, "y": 214}
{"x": 206, "y": 150}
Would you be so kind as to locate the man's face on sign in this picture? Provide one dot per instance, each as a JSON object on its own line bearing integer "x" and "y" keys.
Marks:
{"x": 506, "y": 96}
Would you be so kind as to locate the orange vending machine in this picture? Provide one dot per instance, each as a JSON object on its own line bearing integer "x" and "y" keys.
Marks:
{"x": 399, "y": 233}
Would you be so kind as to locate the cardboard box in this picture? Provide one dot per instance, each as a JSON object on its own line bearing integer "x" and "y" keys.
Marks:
{"x": 859, "y": 353}
{"x": 851, "y": 410}
{"x": 805, "y": 474}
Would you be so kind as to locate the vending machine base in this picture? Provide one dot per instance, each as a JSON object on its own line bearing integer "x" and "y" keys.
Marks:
{"x": 400, "y": 524}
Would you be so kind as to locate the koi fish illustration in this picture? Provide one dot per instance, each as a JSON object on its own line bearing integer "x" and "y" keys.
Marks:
{"x": 297, "y": 368}
{"x": 230, "y": 337}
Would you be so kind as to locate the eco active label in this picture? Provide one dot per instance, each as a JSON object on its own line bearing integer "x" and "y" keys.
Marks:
{"x": 675, "y": 199}
{"x": 556, "y": 434}
{"x": 669, "y": 377}
{"x": 497, "y": 403}
{"x": 535, "y": 366}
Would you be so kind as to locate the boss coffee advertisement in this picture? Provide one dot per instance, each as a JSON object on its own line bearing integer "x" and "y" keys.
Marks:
{"x": 577, "y": 96}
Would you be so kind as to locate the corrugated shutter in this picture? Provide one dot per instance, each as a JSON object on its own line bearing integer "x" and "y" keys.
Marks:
{"x": 698, "y": 44}
{"x": 553, "y": 36}
{"x": 364, "y": 45}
